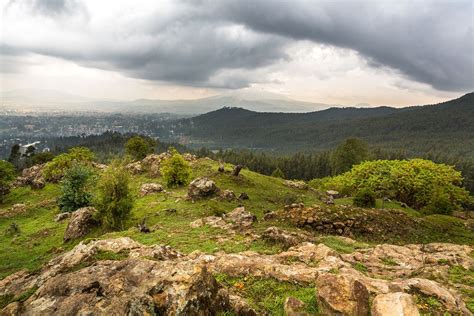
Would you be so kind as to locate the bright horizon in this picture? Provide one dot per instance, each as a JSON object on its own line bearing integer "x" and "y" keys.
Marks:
{"x": 342, "y": 52}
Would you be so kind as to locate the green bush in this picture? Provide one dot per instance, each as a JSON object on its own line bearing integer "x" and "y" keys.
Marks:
{"x": 364, "y": 198}
{"x": 114, "y": 201}
{"x": 75, "y": 189}
{"x": 138, "y": 147}
{"x": 347, "y": 154}
{"x": 7, "y": 175}
{"x": 439, "y": 203}
{"x": 55, "y": 169}
{"x": 413, "y": 182}
{"x": 176, "y": 171}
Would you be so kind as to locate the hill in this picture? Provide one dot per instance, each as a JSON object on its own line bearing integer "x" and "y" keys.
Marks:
{"x": 201, "y": 246}
{"x": 418, "y": 129}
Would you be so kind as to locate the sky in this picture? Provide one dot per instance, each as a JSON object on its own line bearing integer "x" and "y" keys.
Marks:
{"x": 345, "y": 52}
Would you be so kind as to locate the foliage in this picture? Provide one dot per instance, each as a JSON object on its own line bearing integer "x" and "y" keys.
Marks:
{"x": 414, "y": 182}
{"x": 55, "y": 169}
{"x": 7, "y": 175}
{"x": 138, "y": 147}
{"x": 114, "y": 200}
{"x": 277, "y": 173}
{"x": 75, "y": 191}
{"x": 176, "y": 171}
{"x": 364, "y": 198}
{"x": 353, "y": 151}
{"x": 41, "y": 158}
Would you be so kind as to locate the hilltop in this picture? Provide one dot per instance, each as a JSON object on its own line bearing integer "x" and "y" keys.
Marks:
{"x": 232, "y": 252}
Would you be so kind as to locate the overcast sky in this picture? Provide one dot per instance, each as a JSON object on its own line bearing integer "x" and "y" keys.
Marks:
{"x": 341, "y": 52}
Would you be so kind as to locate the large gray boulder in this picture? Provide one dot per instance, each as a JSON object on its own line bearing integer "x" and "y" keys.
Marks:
{"x": 202, "y": 187}
{"x": 80, "y": 223}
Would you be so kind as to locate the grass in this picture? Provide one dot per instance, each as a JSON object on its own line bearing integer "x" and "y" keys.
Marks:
{"x": 389, "y": 261}
{"x": 382, "y": 205}
{"x": 340, "y": 245}
{"x": 359, "y": 266}
{"x": 267, "y": 296}
{"x": 9, "y": 298}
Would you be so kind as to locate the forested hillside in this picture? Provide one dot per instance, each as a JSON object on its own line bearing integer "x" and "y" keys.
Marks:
{"x": 421, "y": 129}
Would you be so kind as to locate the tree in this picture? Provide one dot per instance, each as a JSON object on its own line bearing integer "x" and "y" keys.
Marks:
{"x": 277, "y": 173}
{"x": 138, "y": 147}
{"x": 55, "y": 169}
{"x": 176, "y": 171}
{"x": 352, "y": 152}
{"x": 75, "y": 191}
{"x": 114, "y": 201}
{"x": 7, "y": 175}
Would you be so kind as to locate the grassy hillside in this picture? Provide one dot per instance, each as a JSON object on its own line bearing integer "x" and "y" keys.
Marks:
{"x": 417, "y": 129}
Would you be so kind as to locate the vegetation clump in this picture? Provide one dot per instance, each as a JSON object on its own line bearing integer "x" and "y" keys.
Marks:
{"x": 75, "y": 191}
{"x": 56, "y": 168}
{"x": 139, "y": 147}
{"x": 114, "y": 201}
{"x": 7, "y": 175}
{"x": 277, "y": 173}
{"x": 176, "y": 170}
{"x": 348, "y": 154}
{"x": 365, "y": 198}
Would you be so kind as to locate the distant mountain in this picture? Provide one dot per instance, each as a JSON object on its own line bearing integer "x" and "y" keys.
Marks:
{"x": 51, "y": 100}
{"x": 447, "y": 126}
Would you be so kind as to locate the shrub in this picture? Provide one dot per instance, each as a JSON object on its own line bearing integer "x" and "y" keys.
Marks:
{"x": 439, "y": 203}
{"x": 347, "y": 154}
{"x": 277, "y": 173}
{"x": 138, "y": 147}
{"x": 364, "y": 198}
{"x": 55, "y": 169}
{"x": 176, "y": 171}
{"x": 7, "y": 175}
{"x": 74, "y": 189}
{"x": 114, "y": 201}
{"x": 413, "y": 182}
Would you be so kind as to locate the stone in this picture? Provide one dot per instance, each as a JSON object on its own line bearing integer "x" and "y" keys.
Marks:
{"x": 394, "y": 304}
{"x": 342, "y": 294}
{"x": 332, "y": 193}
{"x": 32, "y": 176}
{"x": 227, "y": 195}
{"x": 270, "y": 215}
{"x": 243, "y": 196}
{"x": 62, "y": 216}
{"x": 236, "y": 170}
{"x": 240, "y": 306}
{"x": 80, "y": 224}
{"x": 149, "y": 188}
{"x": 276, "y": 235}
{"x": 135, "y": 167}
{"x": 18, "y": 208}
{"x": 240, "y": 218}
{"x": 202, "y": 187}
{"x": 294, "y": 307}
{"x": 300, "y": 185}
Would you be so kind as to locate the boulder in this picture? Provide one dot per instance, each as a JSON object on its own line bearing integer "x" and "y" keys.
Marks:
{"x": 332, "y": 193}
{"x": 62, "y": 216}
{"x": 270, "y": 215}
{"x": 276, "y": 235}
{"x": 300, "y": 185}
{"x": 32, "y": 176}
{"x": 80, "y": 223}
{"x": 202, "y": 187}
{"x": 227, "y": 195}
{"x": 243, "y": 196}
{"x": 149, "y": 188}
{"x": 294, "y": 307}
{"x": 135, "y": 167}
{"x": 240, "y": 306}
{"x": 240, "y": 218}
{"x": 394, "y": 304}
{"x": 342, "y": 294}
{"x": 18, "y": 208}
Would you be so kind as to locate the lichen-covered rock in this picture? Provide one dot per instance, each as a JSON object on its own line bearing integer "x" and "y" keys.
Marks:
{"x": 341, "y": 294}
{"x": 300, "y": 185}
{"x": 276, "y": 235}
{"x": 135, "y": 167}
{"x": 149, "y": 188}
{"x": 62, "y": 216}
{"x": 80, "y": 223}
{"x": 240, "y": 218}
{"x": 31, "y": 176}
{"x": 18, "y": 208}
{"x": 394, "y": 304}
{"x": 294, "y": 307}
{"x": 202, "y": 187}
{"x": 228, "y": 195}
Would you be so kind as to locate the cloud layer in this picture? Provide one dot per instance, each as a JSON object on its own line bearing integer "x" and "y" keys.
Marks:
{"x": 229, "y": 44}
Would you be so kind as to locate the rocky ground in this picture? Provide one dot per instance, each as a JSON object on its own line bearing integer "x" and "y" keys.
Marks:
{"x": 229, "y": 245}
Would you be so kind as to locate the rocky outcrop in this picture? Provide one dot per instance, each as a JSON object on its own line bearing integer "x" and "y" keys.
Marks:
{"x": 80, "y": 223}
{"x": 299, "y": 185}
{"x": 140, "y": 279}
{"x": 227, "y": 195}
{"x": 201, "y": 188}
{"x": 240, "y": 218}
{"x": 32, "y": 176}
{"x": 284, "y": 238}
{"x": 294, "y": 307}
{"x": 135, "y": 167}
{"x": 149, "y": 188}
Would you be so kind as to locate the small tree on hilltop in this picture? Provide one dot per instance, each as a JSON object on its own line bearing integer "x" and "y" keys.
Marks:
{"x": 277, "y": 173}
{"x": 352, "y": 152}
{"x": 114, "y": 200}
{"x": 176, "y": 171}
{"x": 138, "y": 147}
{"x": 75, "y": 189}
{"x": 7, "y": 175}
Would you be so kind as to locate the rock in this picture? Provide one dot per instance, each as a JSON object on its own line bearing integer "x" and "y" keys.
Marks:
{"x": 276, "y": 235}
{"x": 341, "y": 294}
{"x": 294, "y": 307}
{"x": 394, "y": 304}
{"x": 213, "y": 221}
{"x": 221, "y": 167}
{"x": 149, "y": 188}
{"x": 38, "y": 183}
{"x": 189, "y": 157}
{"x": 300, "y": 185}
{"x": 99, "y": 166}
{"x": 243, "y": 196}
{"x": 270, "y": 215}
{"x": 80, "y": 223}
{"x": 228, "y": 195}
{"x": 32, "y": 176}
{"x": 62, "y": 216}
{"x": 143, "y": 228}
{"x": 236, "y": 170}
{"x": 135, "y": 167}
{"x": 240, "y": 306}
{"x": 19, "y": 208}
{"x": 332, "y": 193}
{"x": 201, "y": 188}
{"x": 240, "y": 218}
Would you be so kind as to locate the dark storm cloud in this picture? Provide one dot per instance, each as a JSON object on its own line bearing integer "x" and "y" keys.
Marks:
{"x": 219, "y": 43}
